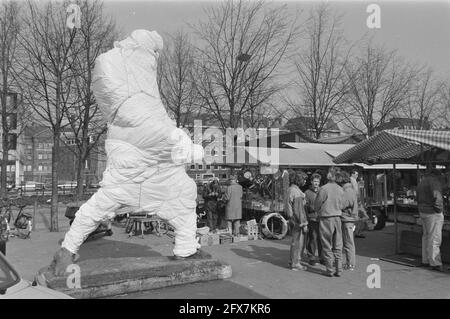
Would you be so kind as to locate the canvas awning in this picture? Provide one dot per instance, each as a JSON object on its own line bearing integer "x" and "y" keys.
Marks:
{"x": 312, "y": 156}
{"x": 394, "y": 146}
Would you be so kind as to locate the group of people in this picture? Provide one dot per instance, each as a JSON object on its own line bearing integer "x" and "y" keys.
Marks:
{"x": 323, "y": 220}
{"x": 223, "y": 205}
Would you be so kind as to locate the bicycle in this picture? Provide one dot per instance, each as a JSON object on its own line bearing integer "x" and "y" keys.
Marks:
{"x": 23, "y": 223}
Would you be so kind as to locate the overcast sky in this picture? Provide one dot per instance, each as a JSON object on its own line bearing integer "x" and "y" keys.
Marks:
{"x": 419, "y": 30}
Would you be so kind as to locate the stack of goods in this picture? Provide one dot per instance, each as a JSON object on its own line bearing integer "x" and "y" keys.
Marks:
{"x": 205, "y": 238}
{"x": 250, "y": 231}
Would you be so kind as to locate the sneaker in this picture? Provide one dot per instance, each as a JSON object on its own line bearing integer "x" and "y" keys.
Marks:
{"x": 298, "y": 267}
{"x": 350, "y": 268}
{"x": 438, "y": 268}
{"x": 338, "y": 274}
{"x": 328, "y": 273}
{"x": 345, "y": 267}
{"x": 313, "y": 262}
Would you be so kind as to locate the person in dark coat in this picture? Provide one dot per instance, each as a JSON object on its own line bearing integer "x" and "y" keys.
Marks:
{"x": 233, "y": 210}
{"x": 297, "y": 218}
{"x": 328, "y": 207}
{"x": 211, "y": 193}
{"x": 349, "y": 218}
{"x": 313, "y": 243}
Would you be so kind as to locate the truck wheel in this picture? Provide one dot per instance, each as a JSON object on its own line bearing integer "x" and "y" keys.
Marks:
{"x": 378, "y": 219}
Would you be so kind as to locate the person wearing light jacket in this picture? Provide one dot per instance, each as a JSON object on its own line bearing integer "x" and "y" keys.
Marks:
{"x": 146, "y": 152}
{"x": 297, "y": 218}
{"x": 349, "y": 218}
{"x": 328, "y": 206}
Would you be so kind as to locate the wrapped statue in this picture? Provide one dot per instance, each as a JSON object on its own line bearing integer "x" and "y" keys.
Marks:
{"x": 146, "y": 152}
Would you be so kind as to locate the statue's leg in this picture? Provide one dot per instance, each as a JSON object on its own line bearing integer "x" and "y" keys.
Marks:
{"x": 180, "y": 212}
{"x": 100, "y": 207}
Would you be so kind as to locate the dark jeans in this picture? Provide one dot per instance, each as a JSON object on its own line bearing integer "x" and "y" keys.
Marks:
{"x": 212, "y": 214}
{"x": 313, "y": 243}
{"x": 297, "y": 244}
{"x": 3, "y": 247}
{"x": 331, "y": 237}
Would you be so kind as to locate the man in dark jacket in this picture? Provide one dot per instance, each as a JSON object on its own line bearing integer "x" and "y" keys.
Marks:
{"x": 313, "y": 243}
{"x": 297, "y": 218}
{"x": 349, "y": 218}
{"x": 328, "y": 206}
{"x": 431, "y": 207}
{"x": 211, "y": 194}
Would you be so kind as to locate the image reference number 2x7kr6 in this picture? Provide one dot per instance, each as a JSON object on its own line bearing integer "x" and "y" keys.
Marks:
{"x": 231, "y": 308}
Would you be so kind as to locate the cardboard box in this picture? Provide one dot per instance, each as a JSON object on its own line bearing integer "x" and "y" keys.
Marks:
{"x": 242, "y": 238}
{"x": 226, "y": 239}
{"x": 209, "y": 240}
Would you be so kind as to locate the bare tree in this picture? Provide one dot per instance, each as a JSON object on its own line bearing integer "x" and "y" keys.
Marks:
{"x": 379, "y": 84}
{"x": 321, "y": 68}
{"x": 241, "y": 45}
{"x": 176, "y": 77}
{"x": 9, "y": 32}
{"x": 422, "y": 103}
{"x": 444, "y": 105}
{"x": 95, "y": 35}
{"x": 46, "y": 76}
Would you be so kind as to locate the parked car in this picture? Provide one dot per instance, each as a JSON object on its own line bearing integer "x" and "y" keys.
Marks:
{"x": 31, "y": 186}
{"x": 68, "y": 185}
{"x": 205, "y": 178}
{"x": 14, "y": 287}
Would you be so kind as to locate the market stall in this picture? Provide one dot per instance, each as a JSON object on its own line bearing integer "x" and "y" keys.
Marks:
{"x": 265, "y": 180}
{"x": 398, "y": 147}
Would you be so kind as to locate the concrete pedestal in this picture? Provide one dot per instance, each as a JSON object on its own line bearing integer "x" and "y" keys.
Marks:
{"x": 109, "y": 277}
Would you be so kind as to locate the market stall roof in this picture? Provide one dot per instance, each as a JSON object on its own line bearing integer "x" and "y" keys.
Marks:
{"x": 332, "y": 150}
{"x": 291, "y": 157}
{"x": 389, "y": 166}
{"x": 392, "y": 146}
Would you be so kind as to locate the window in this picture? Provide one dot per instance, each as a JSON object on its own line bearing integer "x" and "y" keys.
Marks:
{"x": 208, "y": 166}
{"x": 29, "y": 168}
{"x": 197, "y": 176}
{"x": 29, "y": 157}
{"x": 193, "y": 166}
{"x": 39, "y": 156}
{"x": 200, "y": 166}
{"x": 29, "y": 146}
{"x": 13, "y": 168}
{"x": 40, "y": 168}
{"x": 223, "y": 176}
{"x": 216, "y": 167}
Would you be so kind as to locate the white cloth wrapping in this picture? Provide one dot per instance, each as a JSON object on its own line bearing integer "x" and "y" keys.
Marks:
{"x": 146, "y": 152}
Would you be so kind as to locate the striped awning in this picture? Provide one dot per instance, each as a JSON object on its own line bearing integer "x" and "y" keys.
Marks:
{"x": 392, "y": 146}
{"x": 439, "y": 139}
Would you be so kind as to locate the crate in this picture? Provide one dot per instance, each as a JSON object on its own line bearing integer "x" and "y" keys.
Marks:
{"x": 209, "y": 240}
{"x": 237, "y": 239}
{"x": 253, "y": 232}
{"x": 226, "y": 239}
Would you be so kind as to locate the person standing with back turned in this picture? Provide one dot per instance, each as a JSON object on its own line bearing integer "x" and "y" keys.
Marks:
{"x": 328, "y": 206}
